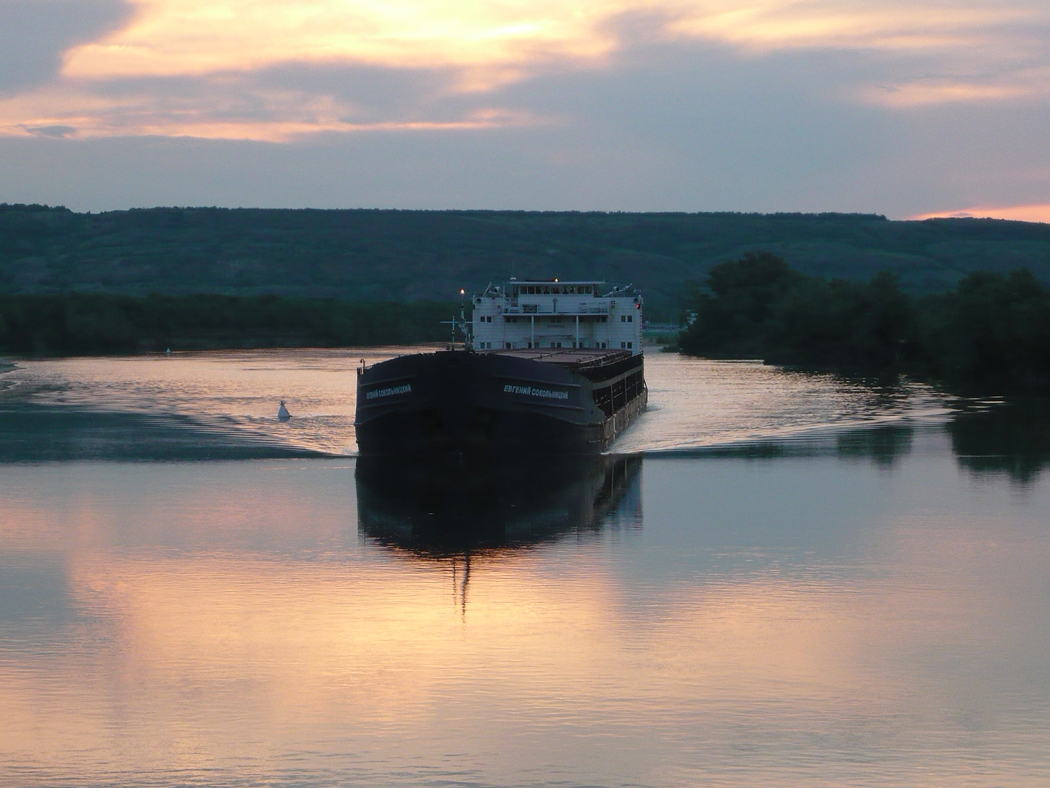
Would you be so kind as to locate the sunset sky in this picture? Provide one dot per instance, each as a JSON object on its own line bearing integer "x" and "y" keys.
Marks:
{"x": 895, "y": 107}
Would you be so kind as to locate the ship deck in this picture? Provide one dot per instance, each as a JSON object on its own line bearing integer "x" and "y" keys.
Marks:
{"x": 571, "y": 358}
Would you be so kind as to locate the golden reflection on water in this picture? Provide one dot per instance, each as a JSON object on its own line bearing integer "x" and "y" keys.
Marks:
{"x": 726, "y": 622}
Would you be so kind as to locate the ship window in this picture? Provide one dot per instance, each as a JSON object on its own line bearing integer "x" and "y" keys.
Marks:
{"x": 508, "y": 346}
{"x": 623, "y": 345}
{"x": 630, "y": 345}
{"x": 630, "y": 318}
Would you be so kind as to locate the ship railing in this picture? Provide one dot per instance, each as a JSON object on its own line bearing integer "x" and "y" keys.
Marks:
{"x": 531, "y": 309}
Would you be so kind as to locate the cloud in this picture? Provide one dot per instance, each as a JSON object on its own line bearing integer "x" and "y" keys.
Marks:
{"x": 277, "y": 69}
{"x": 274, "y": 104}
{"x": 169, "y": 37}
{"x": 662, "y": 104}
{"x": 50, "y": 131}
{"x": 664, "y": 127}
{"x": 35, "y": 33}
{"x": 201, "y": 36}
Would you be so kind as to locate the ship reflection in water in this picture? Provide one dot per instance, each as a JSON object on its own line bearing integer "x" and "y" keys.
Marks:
{"x": 459, "y": 508}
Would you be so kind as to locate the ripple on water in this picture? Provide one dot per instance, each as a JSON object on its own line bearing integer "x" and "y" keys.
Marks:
{"x": 234, "y": 395}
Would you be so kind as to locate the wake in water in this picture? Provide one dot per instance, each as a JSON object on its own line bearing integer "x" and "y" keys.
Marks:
{"x": 224, "y": 405}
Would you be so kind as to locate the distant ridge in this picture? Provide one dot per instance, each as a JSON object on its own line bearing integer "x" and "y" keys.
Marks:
{"x": 385, "y": 255}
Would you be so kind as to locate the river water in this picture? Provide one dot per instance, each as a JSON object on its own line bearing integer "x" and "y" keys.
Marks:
{"x": 780, "y": 579}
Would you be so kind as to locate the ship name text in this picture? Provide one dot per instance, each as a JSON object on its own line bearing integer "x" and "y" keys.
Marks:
{"x": 405, "y": 389}
{"x": 532, "y": 391}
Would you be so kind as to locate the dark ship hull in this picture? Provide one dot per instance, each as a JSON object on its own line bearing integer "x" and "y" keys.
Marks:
{"x": 507, "y": 404}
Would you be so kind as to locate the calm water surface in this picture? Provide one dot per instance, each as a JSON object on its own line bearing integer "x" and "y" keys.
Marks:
{"x": 843, "y": 586}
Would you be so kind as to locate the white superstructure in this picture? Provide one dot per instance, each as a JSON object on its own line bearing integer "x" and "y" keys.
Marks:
{"x": 553, "y": 314}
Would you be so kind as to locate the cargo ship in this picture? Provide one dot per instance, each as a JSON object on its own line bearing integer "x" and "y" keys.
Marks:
{"x": 544, "y": 368}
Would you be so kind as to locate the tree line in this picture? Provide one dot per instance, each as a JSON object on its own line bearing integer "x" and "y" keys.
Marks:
{"x": 991, "y": 333}
{"x": 398, "y": 255}
{"x": 101, "y": 323}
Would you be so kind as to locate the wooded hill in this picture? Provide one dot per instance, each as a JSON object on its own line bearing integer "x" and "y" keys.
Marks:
{"x": 387, "y": 255}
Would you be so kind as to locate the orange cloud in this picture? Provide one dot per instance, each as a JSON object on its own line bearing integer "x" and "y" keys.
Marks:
{"x": 777, "y": 24}
{"x": 168, "y": 37}
{"x": 986, "y": 52}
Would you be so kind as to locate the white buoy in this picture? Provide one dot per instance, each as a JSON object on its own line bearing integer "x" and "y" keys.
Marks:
{"x": 282, "y": 413}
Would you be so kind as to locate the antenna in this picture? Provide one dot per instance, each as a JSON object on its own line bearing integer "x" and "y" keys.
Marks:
{"x": 461, "y": 323}
{"x": 463, "y": 319}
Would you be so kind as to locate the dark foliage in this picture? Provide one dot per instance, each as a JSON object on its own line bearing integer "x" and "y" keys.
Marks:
{"x": 82, "y": 324}
{"x": 373, "y": 255}
{"x": 991, "y": 333}
{"x": 758, "y": 307}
